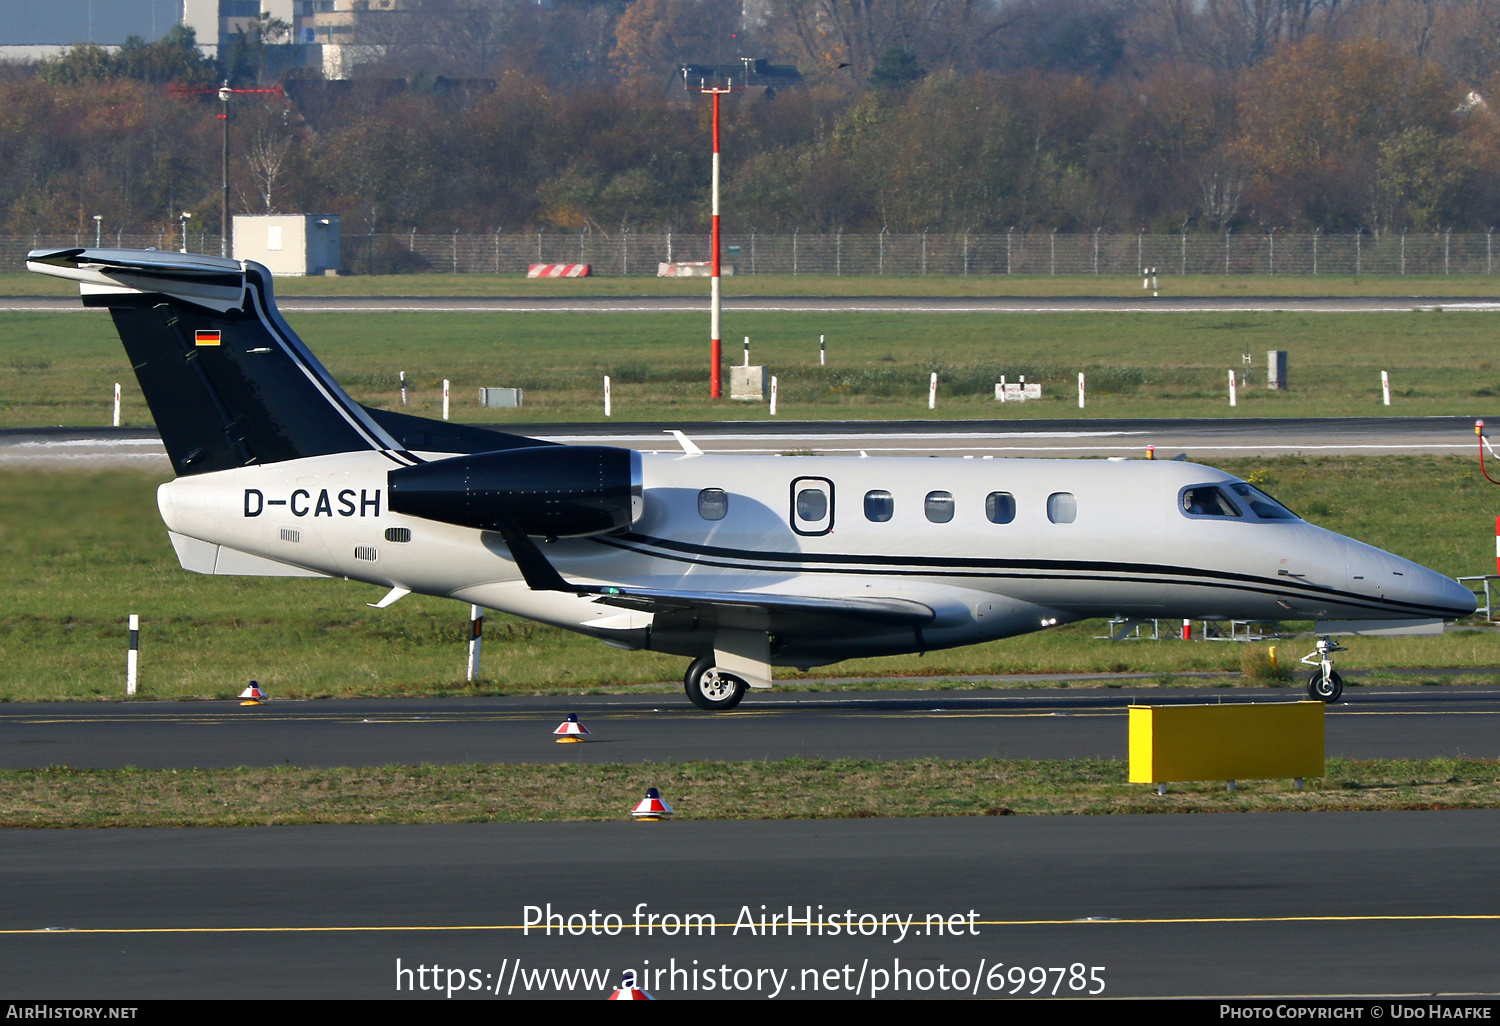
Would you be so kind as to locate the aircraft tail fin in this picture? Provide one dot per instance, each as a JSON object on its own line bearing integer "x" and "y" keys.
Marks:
{"x": 228, "y": 382}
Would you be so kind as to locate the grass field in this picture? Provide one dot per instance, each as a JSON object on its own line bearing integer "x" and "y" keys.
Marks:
{"x": 82, "y": 551}
{"x": 784, "y": 789}
{"x": 1172, "y": 286}
{"x": 59, "y": 369}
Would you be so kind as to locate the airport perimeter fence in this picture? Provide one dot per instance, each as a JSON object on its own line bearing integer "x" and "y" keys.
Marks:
{"x": 873, "y": 254}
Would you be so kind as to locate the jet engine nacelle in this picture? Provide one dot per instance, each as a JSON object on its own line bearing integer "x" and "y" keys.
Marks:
{"x": 556, "y": 491}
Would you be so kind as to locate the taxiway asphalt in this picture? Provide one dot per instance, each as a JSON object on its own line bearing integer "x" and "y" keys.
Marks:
{"x": 830, "y": 304}
{"x": 1264, "y": 904}
{"x": 1201, "y": 439}
{"x": 1387, "y": 721}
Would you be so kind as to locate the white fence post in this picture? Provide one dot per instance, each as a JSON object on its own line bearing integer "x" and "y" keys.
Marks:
{"x": 1232, "y": 395}
{"x": 773, "y": 395}
{"x": 445, "y": 398}
{"x": 133, "y": 656}
{"x": 117, "y": 404}
{"x": 1080, "y": 390}
{"x": 932, "y": 392}
{"x": 1385, "y": 387}
{"x": 476, "y": 639}
{"x": 606, "y": 395}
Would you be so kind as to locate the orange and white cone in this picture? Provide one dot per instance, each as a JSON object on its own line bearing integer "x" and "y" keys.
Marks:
{"x": 253, "y": 695}
{"x": 571, "y": 730}
{"x": 631, "y": 994}
{"x": 651, "y": 807}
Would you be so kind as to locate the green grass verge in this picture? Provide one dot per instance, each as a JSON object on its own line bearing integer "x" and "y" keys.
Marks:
{"x": 785, "y": 789}
{"x": 1172, "y": 286}
{"x": 59, "y": 369}
{"x": 81, "y": 551}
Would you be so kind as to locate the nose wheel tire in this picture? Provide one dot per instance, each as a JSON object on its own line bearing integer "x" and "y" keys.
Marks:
{"x": 1325, "y": 689}
{"x": 710, "y": 688}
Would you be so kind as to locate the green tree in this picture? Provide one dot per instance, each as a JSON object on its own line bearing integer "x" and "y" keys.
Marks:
{"x": 897, "y": 67}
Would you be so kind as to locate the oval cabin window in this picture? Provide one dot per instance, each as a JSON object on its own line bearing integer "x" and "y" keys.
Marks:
{"x": 939, "y": 507}
{"x": 1000, "y": 507}
{"x": 713, "y": 503}
{"x": 1062, "y": 507}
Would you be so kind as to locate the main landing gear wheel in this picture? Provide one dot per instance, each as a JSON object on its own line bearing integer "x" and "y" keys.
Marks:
{"x": 1325, "y": 689}
{"x": 709, "y": 687}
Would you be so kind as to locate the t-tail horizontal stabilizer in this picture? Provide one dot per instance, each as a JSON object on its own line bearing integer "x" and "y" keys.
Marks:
{"x": 228, "y": 382}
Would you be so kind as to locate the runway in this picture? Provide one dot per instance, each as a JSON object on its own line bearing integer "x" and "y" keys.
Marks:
{"x": 829, "y": 304}
{"x": 1386, "y": 722}
{"x": 1201, "y": 439}
{"x": 1264, "y": 904}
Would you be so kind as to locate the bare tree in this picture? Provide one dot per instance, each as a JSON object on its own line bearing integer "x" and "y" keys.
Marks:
{"x": 265, "y": 157}
{"x": 829, "y": 35}
{"x": 1222, "y": 185}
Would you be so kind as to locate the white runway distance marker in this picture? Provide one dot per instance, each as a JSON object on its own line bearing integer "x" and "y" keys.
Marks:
{"x": 476, "y": 640}
{"x": 606, "y": 395}
{"x": 1385, "y": 387}
{"x": 932, "y": 392}
{"x": 773, "y": 396}
{"x": 1232, "y": 395}
{"x": 117, "y": 404}
{"x": 1080, "y": 390}
{"x": 132, "y": 657}
{"x": 445, "y": 398}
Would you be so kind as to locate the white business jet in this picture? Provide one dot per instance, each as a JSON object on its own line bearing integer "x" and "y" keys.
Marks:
{"x": 739, "y": 563}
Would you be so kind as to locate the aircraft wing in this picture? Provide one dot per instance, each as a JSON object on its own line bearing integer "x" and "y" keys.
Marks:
{"x": 781, "y": 614}
{"x": 736, "y": 610}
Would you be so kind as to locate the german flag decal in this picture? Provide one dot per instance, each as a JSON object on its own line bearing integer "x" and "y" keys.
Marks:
{"x": 206, "y": 338}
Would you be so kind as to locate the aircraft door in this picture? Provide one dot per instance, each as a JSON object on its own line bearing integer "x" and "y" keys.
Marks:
{"x": 812, "y": 505}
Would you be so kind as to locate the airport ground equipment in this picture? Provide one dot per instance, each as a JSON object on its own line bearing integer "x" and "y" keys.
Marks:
{"x": 1235, "y": 741}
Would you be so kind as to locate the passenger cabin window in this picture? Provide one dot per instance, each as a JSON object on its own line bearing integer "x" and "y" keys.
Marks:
{"x": 1208, "y": 501}
{"x": 713, "y": 503}
{"x": 812, "y": 505}
{"x": 1261, "y": 504}
{"x": 1062, "y": 507}
{"x": 938, "y": 507}
{"x": 1000, "y": 507}
{"x": 879, "y": 506}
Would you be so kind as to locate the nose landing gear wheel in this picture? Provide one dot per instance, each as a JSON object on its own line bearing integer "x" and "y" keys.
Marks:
{"x": 712, "y": 689}
{"x": 1325, "y": 689}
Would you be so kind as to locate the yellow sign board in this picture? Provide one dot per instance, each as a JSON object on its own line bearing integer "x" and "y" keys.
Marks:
{"x": 1242, "y": 741}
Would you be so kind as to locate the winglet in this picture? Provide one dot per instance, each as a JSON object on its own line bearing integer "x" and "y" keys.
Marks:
{"x": 686, "y": 443}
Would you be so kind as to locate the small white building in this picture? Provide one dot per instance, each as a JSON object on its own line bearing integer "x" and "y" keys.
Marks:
{"x": 289, "y": 244}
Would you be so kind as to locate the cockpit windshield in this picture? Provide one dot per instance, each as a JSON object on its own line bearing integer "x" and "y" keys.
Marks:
{"x": 1262, "y": 504}
{"x": 1208, "y": 501}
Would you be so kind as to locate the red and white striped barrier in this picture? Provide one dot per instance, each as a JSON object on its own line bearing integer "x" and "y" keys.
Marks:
{"x": 560, "y": 271}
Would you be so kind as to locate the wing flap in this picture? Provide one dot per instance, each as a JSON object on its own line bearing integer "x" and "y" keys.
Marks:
{"x": 775, "y": 612}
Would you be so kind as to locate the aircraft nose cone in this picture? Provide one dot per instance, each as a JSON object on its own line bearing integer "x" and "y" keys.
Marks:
{"x": 1446, "y": 593}
{"x": 1443, "y": 596}
{"x": 1410, "y": 588}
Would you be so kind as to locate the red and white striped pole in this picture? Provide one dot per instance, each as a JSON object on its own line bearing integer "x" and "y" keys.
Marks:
{"x": 716, "y": 340}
